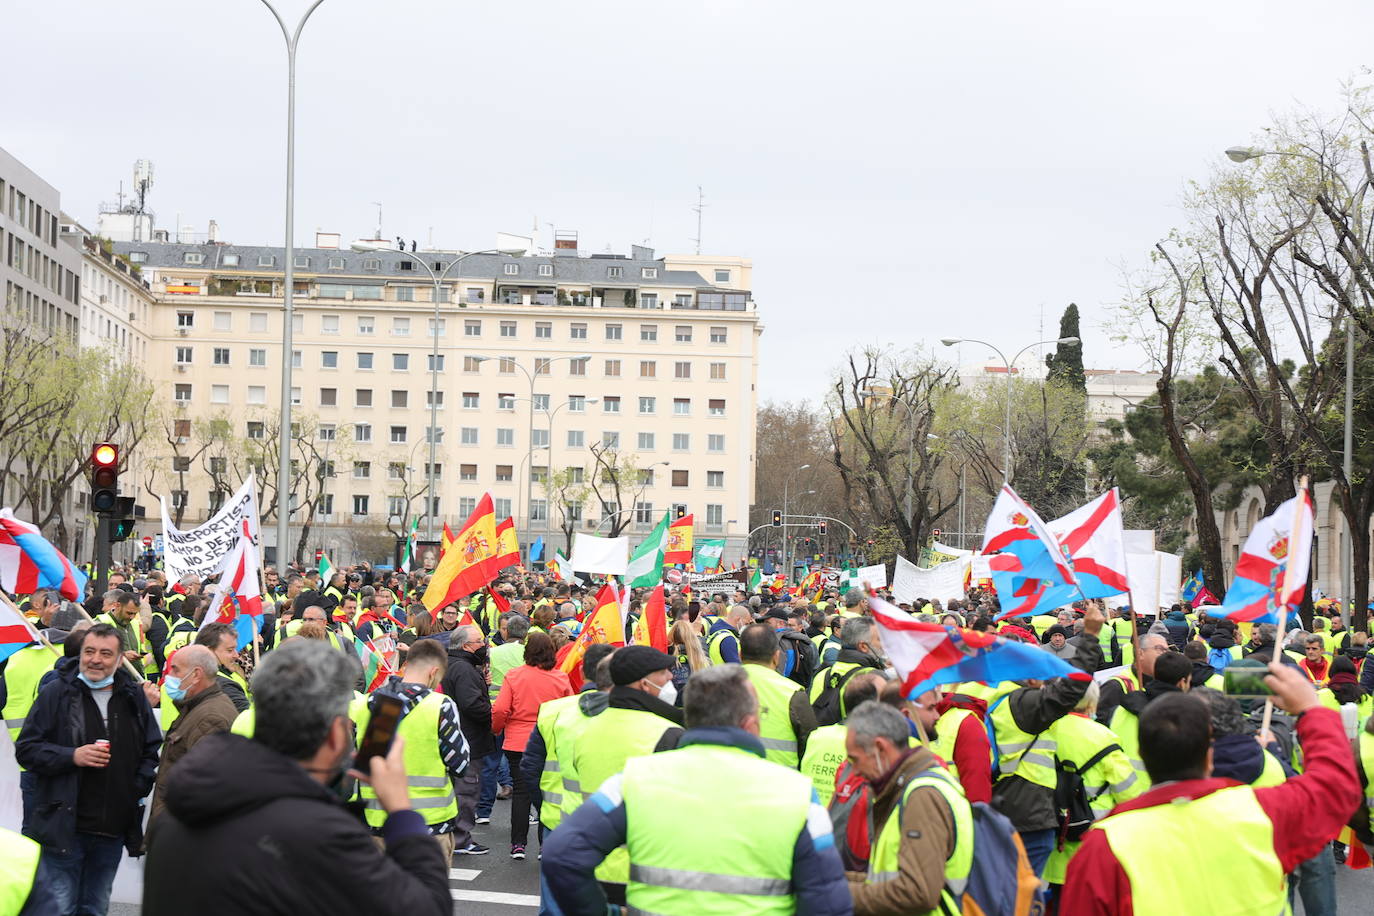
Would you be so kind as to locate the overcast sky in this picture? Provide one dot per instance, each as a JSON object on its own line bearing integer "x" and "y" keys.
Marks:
{"x": 899, "y": 172}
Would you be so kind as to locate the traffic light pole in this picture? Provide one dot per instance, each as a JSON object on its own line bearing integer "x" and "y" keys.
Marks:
{"x": 102, "y": 553}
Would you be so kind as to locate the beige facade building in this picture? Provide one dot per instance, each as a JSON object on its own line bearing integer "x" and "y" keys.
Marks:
{"x": 541, "y": 357}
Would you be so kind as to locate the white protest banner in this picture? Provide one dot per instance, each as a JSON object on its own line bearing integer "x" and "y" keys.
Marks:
{"x": 201, "y": 550}
{"x": 874, "y": 576}
{"x": 905, "y": 577}
{"x": 1142, "y": 570}
{"x": 725, "y": 582}
{"x": 937, "y": 547}
{"x": 608, "y": 556}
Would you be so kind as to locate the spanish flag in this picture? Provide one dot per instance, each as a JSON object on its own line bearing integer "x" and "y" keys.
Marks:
{"x": 507, "y": 547}
{"x": 652, "y": 627}
{"x": 465, "y": 564}
{"x": 678, "y": 548}
{"x": 446, "y": 538}
{"x": 604, "y": 624}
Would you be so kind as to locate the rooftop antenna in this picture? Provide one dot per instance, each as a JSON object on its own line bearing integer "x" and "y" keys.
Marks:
{"x": 378, "y": 205}
{"x": 701, "y": 205}
{"x": 143, "y": 180}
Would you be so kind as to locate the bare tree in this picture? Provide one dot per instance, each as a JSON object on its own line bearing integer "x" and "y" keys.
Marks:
{"x": 614, "y": 479}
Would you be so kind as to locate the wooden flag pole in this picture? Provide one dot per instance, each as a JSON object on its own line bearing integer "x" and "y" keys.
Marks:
{"x": 921, "y": 733}
{"x": 138, "y": 675}
{"x": 1282, "y": 599}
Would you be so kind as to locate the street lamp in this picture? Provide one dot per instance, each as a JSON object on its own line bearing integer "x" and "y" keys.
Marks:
{"x": 437, "y": 280}
{"x": 786, "y": 547}
{"x": 288, "y": 304}
{"x": 1009, "y": 363}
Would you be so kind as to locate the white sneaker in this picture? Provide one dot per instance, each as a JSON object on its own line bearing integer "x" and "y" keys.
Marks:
{"x": 482, "y": 820}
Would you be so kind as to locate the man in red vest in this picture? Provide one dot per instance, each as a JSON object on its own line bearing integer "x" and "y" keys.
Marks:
{"x": 1145, "y": 858}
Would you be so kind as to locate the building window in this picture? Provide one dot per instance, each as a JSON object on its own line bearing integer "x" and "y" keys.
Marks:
{"x": 329, "y": 397}
{"x": 682, "y": 407}
{"x": 362, "y": 432}
{"x": 372, "y": 263}
{"x": 467, "y": 435}
{"x": 540, "y": 402}
{"x": 256, "y": 429}
{"x": 682, "y": 301}
{"x": 575, "y": 475}
{"x": 577, "y": 403}
{"x": 183, "y": 356}
{"x": 367, "y": 324}
{"x": 578, "y": 367}
{"x": 543, "y": 330}
{"x": 502, "y": 507}
{"x": 362, "y": 397}
{"x": 717, "y": 372}
{"x": 539, "y": 438}
{"x": 682, "y": 370}
{"x": 405, "y": 293}
{"x": 336, "y": 263}
{"x": 434, "y": 399}
{"x": 715, "y": 479}
{"x": 683, "y": 333}
{"x": 506, "y": 365}
{"x": 648, "y": 300}
{"x": 295, "y": 396}
{"x": 648, "y": 368}
{"x": 613, "y": 331}
{"x": 400, "y": 398}
{"x": 505, "y": 473}
{"x": 471, "y": 400}
{"x": 364, "y": 361}
{"x": 360, "y": 504}
{"x": 612, "y": 368}
{"x": 362, "y": 470}
{"x": 576, "y": 438}
{"x": 539, "y": 510}
{"x": 398, "y": 435}
{"x": 221, "y": 356}
{"x": 181, "y": 463}
{"x": 682, "y": 442}
{"x": 224, "y": 321}
{"x": 680, "y": 478}
{"x": 645, "y": 442}
{"x": 578, "y": 331}
{"x": 465, "y": 505}
{"x": 472, "y": 364}
{"x": 648, "y": 333}
{"x": 436, "y": 328}
{"x": 434, "y": 435}
{"x": 715, "y": 443}
{"x": 326, "y": 432}
{"x": 396, "y": 470}
{"x": 257, "y": 322}
{"x": 472, "y": 328}
{"x": 718, "y": 335}
{"x": 541, "y": 365}
{"x": 647, "y": 405}
{"x": 467, "y": 472}
{"x": 400, "y": 327}
{"x": 715, "y": 515}
{"x": 508, "y": 329}
{"x": 400, "y": 362}
{"x": 181, "y": 392}
{"x": 395, "y": 507}
{"x": 715, "y": 407}
{"x": 186, "y": 319}
{"x": 296, "y": 361}
{"x": 610, "y": 439}
{"x": 257, "y": 394}
{"x": 722, "y": 276}
{"x": 475, "y": 294}
{"x": 610, "y": 404}
{"x": 512, "y": 270}
{"x": 329, "y": 324}
{"x": 505, "y": 401}
{"x": 257, "y": 357}
{"x": 614, "y": 273}
{"x": 193, "y": 257}
{"x": 648, "y": 273}
{"x": 329, "y": 359}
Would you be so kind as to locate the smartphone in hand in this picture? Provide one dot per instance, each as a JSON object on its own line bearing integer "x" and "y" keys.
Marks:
{"x": 381, "y": 729}
{"x": 1245, "y": 682}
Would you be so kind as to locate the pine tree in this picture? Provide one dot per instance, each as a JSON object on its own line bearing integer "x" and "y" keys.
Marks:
{"x": 1066, "y": 362}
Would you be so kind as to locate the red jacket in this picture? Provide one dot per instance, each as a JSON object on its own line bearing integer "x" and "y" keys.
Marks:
{"x": 1307, "y": 811}
{"x": 517, "y": 706}
{"x": 972, "y": 750}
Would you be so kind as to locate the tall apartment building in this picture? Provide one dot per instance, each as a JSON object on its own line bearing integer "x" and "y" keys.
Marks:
{"x": 540, "y": 358}
{"x": 40, "y": 275}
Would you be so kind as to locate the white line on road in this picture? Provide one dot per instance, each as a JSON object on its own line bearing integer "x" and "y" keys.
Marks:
{"x": 494, "y": 897}
{"x": 464, "y": 874}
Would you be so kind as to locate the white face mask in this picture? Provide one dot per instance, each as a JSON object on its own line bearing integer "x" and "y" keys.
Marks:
{"x": 668, "y": 692}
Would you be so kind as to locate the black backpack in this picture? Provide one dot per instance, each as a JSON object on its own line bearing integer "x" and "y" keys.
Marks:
{"x": 804, "y": 658}
{"x": 829, "y": 706}
{"x": 1071, "y": 801}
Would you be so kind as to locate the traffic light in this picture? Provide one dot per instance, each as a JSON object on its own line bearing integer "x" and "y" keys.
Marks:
{"x": 122, "y": 519}
{"x": 319, "y": 555}
{"x": 777, "y": 518}
{"x": 104, "y": 477}
{"x": 680, "y": 510}
{"x": 822, "y": 529}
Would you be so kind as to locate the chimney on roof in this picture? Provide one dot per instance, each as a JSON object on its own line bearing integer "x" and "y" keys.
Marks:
{"x": 641, "y": 253}
{"x": 327, "y": 239}
{"x": 213, "y": 234}
{"x": 565, "y": 243}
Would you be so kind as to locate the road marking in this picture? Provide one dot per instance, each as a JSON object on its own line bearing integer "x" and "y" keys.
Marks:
{"x": 495, "y": 897}
{"x": 464, "y": 874}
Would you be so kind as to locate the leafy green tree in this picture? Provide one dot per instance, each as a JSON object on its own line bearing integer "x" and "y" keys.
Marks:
{"x": 1066, "y": 362}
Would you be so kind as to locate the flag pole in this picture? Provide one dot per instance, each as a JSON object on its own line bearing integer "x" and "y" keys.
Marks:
{"x": 1281, "y": 595}
{"x": 41, "y": 638}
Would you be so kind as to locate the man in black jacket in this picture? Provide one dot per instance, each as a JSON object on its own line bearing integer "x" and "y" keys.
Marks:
{"x": 92, "y": 742}
{"x": 465, "y": 683}
{"x": 257, "y": 825}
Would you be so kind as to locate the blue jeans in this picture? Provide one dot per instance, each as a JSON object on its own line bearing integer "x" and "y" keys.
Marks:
{"x": 80, "y": 880}
{"x": 28, "y": 784}
{"x": 1315, "y": 881}
{"x": 495, "y": 771}
{"x": 1039, "y": 844}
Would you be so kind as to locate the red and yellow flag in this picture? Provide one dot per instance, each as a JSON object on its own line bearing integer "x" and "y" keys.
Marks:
{"x": 507, "y": 547}
{"x": 446, "y": 538}
{"x": 652, "y": 626}
{"x": 678, "y": 548}
{"x": 465, "y": 564}
{"x": 604, "y": 624}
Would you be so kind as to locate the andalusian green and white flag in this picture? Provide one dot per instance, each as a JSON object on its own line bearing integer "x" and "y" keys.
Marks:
{"x": 708, "y": 554}
{"x": 646, "y": 563}
{"x": 410, "y": 545}
{"x": 327, "y": 570}
{"x": 755, "y": 580}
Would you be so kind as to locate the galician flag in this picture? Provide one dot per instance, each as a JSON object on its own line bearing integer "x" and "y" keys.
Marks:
{"x": 646, "y": 563}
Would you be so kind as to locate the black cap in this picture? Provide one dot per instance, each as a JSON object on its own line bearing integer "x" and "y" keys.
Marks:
{"x": 776, "y": 614}
{"x": 634, "y": 663}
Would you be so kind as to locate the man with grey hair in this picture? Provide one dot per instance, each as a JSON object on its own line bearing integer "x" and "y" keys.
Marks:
{"x": 776, "y": 825}
{"x": 860, "y": 649}
{"x": 923, "y": 823}
{"x": 192, "y": 683}
{"x": 248, "y": 817}
{"x": 1117, "y": 687}
{"x": 855, "y": 603}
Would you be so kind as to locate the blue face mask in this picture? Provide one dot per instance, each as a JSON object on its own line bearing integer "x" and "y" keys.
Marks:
{"x": 96, "y": 685}
{"x": 174, "y": 688}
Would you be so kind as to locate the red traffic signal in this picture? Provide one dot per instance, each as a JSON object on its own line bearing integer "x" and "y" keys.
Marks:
{"x": 104, "y": 476}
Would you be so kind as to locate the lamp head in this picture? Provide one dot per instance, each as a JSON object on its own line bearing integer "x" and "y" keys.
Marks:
{"x": 951, "y": 341}
{"x": 1068, "y": 340}
{"x": 1243, "y": 153}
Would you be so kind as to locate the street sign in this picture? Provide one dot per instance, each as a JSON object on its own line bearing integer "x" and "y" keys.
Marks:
{"x": 147, "y": 542}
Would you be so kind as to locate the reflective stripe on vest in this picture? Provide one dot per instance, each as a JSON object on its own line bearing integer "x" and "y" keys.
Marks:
{"x": 739, "y": 864}
{"x": 1366, "y": 744}
{"x": 824, "y": 755}
{"x": 885, "y": 863}
{"x": 775, "y": 719}
{"x": 551, "y": 778}
{"x": 605, "y": 745}
{"x": 431, "y": 790}
{"x": 1255, "y": 882}
{"x": 1018, "y": 753}
{"x": 713, "y": 645}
